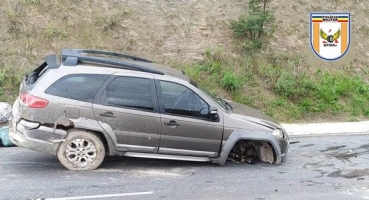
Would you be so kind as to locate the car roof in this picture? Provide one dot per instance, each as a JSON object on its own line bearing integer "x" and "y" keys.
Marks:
{"x": 115, "y": 62}
{"x": 167, "y": 71}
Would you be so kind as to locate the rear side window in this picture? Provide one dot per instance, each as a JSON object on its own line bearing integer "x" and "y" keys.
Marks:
{"x": 130, "y": 92}
{"x": 81, "y": 87}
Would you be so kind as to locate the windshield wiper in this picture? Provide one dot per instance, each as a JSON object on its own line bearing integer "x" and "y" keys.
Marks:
{"x": 227, "y": 104}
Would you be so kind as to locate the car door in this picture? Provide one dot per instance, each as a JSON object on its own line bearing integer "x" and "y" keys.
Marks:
{"x": 186, "y": 127}
{"x": 127, "y": 106}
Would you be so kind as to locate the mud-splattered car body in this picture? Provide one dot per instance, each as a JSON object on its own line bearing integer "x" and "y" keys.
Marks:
{"x": 138, "y": 109}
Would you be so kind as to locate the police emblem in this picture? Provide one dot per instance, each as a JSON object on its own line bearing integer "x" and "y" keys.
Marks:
{"x": 330, "y": 34}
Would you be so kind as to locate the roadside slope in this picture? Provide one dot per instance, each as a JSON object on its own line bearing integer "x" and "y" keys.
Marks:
{"x": 177, "y": 33}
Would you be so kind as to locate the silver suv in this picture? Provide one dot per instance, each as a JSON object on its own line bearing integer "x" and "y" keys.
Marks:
{"x": 83, "y": 104}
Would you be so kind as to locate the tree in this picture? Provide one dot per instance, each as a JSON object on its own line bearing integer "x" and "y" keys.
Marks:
{"x": 254, "y": 24}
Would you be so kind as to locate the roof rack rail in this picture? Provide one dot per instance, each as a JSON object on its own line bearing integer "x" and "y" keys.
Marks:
{"x": 108, "y": 53}
{"x": 72, "y": 57}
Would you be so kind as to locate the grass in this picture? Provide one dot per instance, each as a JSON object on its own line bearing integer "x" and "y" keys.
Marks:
{"x": 277, "y": 79}
{"x": 288, "y": 93}
{"x": 9, "y": 83}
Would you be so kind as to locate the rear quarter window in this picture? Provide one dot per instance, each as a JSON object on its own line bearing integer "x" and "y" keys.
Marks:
{"x": 80, "y": 87}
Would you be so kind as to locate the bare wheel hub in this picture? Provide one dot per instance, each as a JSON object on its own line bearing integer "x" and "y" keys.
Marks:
{"x": 81, "y": 152}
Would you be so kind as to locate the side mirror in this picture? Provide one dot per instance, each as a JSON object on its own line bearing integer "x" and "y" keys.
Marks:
{"x": 204, "y": 111}
{"x": 213, "y": 113}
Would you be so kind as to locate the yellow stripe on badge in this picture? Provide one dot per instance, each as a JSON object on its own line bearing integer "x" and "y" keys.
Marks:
{"x": 316, "y": 38}
{"x": 344, "y": 31}
{"x": 343, "y": 19}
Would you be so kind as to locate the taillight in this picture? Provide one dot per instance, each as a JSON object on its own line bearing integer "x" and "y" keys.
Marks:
{"x": 33, "y": 101}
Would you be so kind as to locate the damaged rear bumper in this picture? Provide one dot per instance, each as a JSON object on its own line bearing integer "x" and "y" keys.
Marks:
{"x": 34, "y": 136}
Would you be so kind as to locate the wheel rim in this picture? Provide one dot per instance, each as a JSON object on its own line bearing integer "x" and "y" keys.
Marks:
{"x": 81, "y": 152}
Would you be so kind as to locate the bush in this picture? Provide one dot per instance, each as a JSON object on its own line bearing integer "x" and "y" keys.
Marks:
{"x": 254, "y": 24}
{"x": 294, "y": 86}
{"x": 231, "y": 81}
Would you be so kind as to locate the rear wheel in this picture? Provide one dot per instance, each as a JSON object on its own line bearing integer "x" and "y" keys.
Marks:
{"x": 81, "y": 150}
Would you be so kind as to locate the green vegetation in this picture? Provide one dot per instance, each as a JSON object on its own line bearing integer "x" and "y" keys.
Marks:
{"x": 9, "y": 83}
{"x": 255, "y": 56}
{"x": 35, "y": 2}
{"x": 272, "y": 82}
{"x": 290, "y": 95}
{"x": 255, "y": 24}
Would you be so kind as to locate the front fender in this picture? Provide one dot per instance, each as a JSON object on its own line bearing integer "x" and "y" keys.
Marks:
{"x": 238, "y": 135}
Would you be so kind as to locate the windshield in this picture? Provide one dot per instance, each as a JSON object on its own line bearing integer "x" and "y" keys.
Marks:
{"x": 216, "y": 99}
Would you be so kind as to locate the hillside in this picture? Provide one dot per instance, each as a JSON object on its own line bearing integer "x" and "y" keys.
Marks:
{"x": 284, "y": 79}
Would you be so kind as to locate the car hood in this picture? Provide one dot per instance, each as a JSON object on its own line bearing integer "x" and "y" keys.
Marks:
{"x": 246, "y": 113}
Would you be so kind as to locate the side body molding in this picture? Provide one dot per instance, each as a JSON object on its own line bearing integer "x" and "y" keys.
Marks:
{"x": 238, "y": 135}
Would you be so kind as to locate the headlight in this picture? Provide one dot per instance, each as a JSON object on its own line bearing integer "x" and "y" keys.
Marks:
{"x": 278, "y": 133}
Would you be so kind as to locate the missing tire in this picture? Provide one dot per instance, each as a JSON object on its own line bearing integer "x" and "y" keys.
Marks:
{"x": 249, "y": 151}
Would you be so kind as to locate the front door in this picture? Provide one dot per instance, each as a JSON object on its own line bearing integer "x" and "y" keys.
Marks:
{"x": 186, "y": 127}
{"x": 128, "y": 107}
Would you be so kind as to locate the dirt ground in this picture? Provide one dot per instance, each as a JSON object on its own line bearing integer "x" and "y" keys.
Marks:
{"x": 164, "y": 31}
{"x": 168, "y": 32}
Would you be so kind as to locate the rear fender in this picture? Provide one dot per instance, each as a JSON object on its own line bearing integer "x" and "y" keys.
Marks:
{"x": 93, "y": 125}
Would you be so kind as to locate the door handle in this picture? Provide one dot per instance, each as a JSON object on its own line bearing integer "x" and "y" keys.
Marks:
{"x": 171, "y": 123}
{"x": 107, "y": 114}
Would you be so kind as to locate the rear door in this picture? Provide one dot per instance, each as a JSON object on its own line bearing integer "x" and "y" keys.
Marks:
{"x": 127, "y": 105}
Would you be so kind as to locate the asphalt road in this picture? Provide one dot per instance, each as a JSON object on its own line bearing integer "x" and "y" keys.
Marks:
{"x": 330, "y": 167}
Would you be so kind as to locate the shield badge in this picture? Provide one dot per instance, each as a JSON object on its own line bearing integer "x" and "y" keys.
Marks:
{"x": 330, "y": 34}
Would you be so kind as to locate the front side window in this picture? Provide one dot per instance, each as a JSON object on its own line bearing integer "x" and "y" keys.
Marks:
{"x": 216, "y": 99}
{"x": 130, "y": 92}
{"x": 180, "y": 100}
{"x": 80, "y": 87}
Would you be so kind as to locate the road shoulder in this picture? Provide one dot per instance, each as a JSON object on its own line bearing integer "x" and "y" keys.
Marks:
{"x": 336, "y": 128}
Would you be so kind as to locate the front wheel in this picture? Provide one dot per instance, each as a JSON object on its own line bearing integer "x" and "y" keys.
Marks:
{"x": 81, "y": 150}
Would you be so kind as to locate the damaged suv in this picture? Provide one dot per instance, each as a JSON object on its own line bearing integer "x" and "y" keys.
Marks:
{"x": 83, "y": 105}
